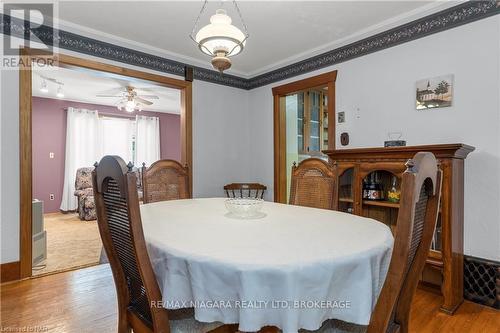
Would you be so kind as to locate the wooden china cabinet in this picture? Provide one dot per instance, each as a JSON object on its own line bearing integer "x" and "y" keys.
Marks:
{"x": 357, "y": 167}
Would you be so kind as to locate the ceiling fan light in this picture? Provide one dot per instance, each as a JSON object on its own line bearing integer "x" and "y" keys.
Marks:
{"x": 130, "y": 106}
{"x": 43, "y": 87}
{"x": 59, "y": 93}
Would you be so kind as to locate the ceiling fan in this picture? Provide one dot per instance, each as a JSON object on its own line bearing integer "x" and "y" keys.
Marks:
{"x": 130, "y": 101}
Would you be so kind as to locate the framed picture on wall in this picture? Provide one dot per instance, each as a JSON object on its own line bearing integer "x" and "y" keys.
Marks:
{"x": 436, "y": 92}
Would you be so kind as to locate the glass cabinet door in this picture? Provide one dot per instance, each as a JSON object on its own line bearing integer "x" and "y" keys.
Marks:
{"x": 315, "y": 103}
{"x": 312, "y": 122}
{"x": 436, "y": 244}
{"x": 300, "y": 123}
{"x": 346, "y": 181}
{"x": 324, "y": 122}
{"x": 305, "y": 117}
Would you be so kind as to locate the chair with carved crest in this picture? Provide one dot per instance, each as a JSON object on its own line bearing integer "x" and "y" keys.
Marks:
{"x": 165, "y": 180}
{"x": 313, "y": 184}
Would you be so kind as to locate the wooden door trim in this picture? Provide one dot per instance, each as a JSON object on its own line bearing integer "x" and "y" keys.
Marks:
{"x": 25, "y": 165}
{"x": 25, "y": 133}
{"x": 325, "y": 79}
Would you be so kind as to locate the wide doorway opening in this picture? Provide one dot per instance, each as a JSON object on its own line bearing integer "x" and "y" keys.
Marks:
{"x": 304, "y": 126}
{"x": 71, "y": 114}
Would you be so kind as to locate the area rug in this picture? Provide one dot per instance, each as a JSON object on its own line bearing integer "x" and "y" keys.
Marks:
{"x": 71, "y": 243}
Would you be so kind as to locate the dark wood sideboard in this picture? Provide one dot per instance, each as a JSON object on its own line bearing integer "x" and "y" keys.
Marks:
{"x": 444, "y": 269}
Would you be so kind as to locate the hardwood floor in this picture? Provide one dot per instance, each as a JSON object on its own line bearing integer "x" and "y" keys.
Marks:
{"x": 84, "y": 301}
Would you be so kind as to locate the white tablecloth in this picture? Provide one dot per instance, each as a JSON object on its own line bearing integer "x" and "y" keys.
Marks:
{"x": 294, "y": 268}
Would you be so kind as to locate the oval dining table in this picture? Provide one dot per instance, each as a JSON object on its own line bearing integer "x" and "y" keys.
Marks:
{"x": 292, "y": 267}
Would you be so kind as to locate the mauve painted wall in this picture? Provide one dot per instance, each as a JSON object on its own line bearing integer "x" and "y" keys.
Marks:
{"x": 49, "y": 135}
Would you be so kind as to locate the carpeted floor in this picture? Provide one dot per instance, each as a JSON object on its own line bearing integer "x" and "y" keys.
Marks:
{"x": 71, "y": 243}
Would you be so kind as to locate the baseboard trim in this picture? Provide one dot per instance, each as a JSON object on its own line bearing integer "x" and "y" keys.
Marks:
{"x": 482, "y": 281}
{"x": 10, "y": 271}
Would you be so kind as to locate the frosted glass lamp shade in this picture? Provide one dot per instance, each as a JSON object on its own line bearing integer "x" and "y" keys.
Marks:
{"x": 130, "y": 106}
{"x": 220, "y": 36}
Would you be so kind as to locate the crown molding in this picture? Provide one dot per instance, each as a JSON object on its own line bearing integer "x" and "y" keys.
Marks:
{"x": 385, "y": 25}
{"x": 85, "y": 45}
{"x": 449, "y": 18}
{"x": 135, "y": 45}
{"x": 443, "y": 20}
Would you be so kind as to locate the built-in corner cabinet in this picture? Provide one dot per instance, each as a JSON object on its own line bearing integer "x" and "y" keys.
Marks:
{"x": 369, "y": 180}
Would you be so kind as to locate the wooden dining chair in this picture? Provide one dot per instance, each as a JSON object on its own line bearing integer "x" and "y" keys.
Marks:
{"x": 417, "y": 217}
{"x": 165, "y": 180}
{"x": 313, "y": 184}
{"x": 248, "y": 190}
{"x": 120, "y": 226}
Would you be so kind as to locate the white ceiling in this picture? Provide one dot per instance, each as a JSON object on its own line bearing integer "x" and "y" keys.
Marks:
{"x": 82, "y": 85}
{"x": 280, "y": 32}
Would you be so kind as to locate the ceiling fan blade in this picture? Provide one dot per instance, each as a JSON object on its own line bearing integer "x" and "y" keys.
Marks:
{"x": 143, "y": 101}
{"x": 149, "y": 96}
{"x": 115, "y": 96}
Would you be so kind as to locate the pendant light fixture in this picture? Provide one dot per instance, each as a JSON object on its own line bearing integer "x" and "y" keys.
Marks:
{"x": 220, "y": 39}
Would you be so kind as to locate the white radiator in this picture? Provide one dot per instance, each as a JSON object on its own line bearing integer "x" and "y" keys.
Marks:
{"x": 39, "y": 247}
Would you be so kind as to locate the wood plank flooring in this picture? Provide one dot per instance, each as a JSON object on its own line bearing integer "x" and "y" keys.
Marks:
{"x": 84, "y": 301}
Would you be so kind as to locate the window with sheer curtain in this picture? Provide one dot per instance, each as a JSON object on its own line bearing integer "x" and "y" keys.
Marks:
{"x": 89, "y": 137}
{"x": 117, "y": 137}
{"x": 147, "y": 140}
{"x": 135, "y": 141}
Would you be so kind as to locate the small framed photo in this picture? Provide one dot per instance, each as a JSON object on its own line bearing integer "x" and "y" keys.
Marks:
{"x": 341, "y": 117}
{"x": 436, "y": 92}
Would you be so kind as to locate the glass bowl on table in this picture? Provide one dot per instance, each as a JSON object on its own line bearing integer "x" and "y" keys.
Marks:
{"x": 245, "y": 208}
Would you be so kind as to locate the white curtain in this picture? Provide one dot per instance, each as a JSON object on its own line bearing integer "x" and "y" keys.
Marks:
{"x": 147, "y": 138}
{"x": 116, "y": 137}
{"x": 82, "y": 150}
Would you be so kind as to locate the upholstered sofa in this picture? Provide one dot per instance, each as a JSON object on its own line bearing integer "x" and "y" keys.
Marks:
{"x": 85, "y": 194}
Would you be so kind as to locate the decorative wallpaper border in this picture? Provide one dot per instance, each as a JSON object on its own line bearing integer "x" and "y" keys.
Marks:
{"x": 447, "y": 19}
{"x": 90, "y": 46}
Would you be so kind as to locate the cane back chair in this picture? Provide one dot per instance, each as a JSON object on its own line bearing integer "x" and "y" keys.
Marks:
{"x": 314, "y": 184}
{"x": 119, "y": 220}
{"x": 165, "y": 180}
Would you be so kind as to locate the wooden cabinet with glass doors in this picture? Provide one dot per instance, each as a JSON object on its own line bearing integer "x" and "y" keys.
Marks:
{"x": 369, "y": 181}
